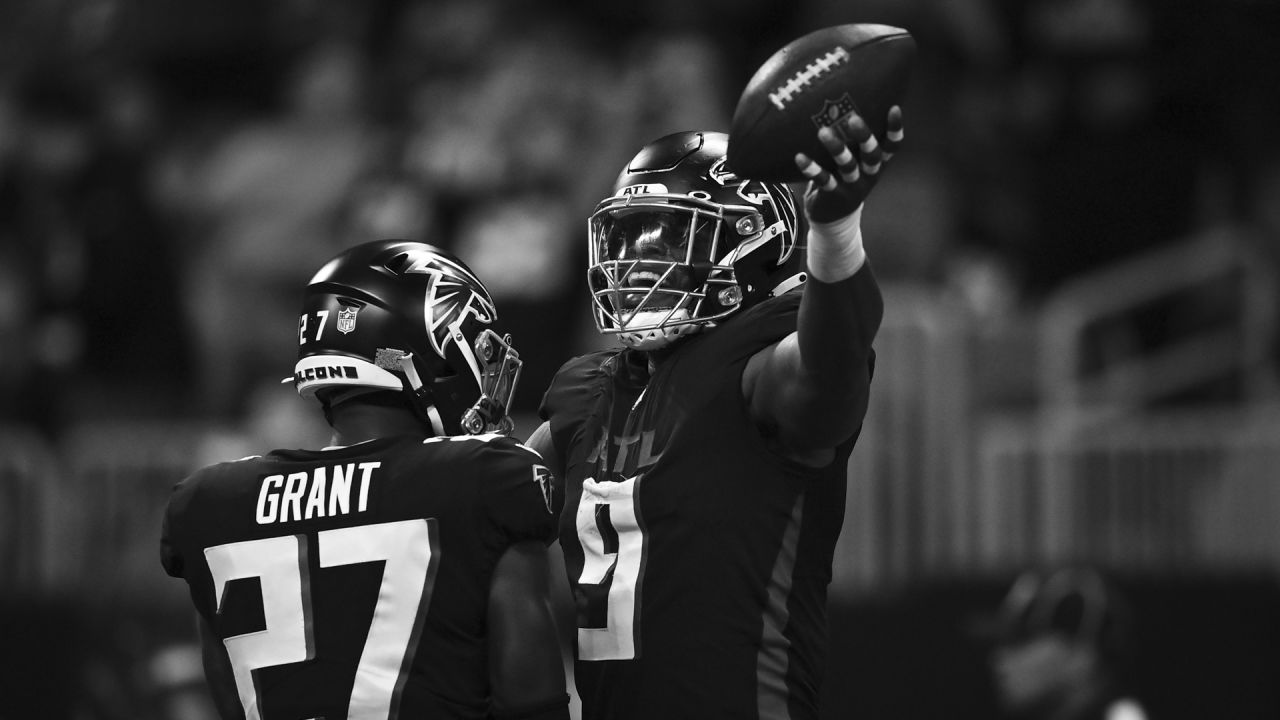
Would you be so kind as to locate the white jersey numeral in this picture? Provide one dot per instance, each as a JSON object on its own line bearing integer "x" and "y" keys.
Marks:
{"x": 613, "y": 544}
{"x": 408, "y": 550}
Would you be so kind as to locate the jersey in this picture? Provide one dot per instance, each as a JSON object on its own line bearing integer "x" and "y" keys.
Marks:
{"x": 353, "y": 582}
{"x": 698, "y": 558}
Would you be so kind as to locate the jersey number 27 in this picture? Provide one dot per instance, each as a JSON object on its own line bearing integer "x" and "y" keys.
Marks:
{"x": 408, "y": 548}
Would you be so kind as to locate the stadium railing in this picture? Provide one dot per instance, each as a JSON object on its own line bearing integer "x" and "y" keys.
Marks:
{"x": 33, "y": 511}
{"x": 115, "y": 482}
{"x": 1159, "y": 326}
{"x": 942, "y": 483}
{"x": 910, "y": 473}
{"x": 1116, "y": 461}
{"x": 1165, "y": 492}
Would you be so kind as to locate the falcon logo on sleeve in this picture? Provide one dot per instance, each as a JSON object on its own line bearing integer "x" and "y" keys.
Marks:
{"x": 546, "y": 483}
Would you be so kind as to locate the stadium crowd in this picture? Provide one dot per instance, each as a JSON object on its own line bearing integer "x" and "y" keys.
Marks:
{"x": 164, "y": 173}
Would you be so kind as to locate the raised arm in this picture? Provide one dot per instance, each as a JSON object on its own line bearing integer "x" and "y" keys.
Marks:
{"x": 526, "y": 670}
{"x": 808, "y": 392}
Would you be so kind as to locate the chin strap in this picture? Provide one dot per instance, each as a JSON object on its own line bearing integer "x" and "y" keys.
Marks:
{"x": 437, "y": 425}
{"x": 411, "y": 373}
{"x": 496, "y": 372}
{"x": 419, "y": 395}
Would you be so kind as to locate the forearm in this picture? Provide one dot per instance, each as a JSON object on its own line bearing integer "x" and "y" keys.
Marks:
{"x": 842, "y": 306}
{"x": 526, "y": 671}
{"x": 816, "y": 384}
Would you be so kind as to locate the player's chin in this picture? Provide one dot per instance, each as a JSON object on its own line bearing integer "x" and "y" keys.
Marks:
{"x": 651, "y": 332}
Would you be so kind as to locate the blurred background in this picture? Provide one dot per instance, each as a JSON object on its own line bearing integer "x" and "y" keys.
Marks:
{"x": 1079, "y": 247}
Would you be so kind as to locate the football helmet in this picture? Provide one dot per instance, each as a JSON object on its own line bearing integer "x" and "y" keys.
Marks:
{"x": 683, "y": 242}
{"x": 407, "y": 316}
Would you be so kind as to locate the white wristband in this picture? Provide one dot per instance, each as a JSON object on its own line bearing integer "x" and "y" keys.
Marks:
{"x": 835, "y": 248}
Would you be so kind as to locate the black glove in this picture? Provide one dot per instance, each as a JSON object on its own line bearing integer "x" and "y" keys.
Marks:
{"x": 859, "y": 157}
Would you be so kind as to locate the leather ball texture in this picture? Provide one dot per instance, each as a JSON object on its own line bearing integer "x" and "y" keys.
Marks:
{"x": 816, "y": 80}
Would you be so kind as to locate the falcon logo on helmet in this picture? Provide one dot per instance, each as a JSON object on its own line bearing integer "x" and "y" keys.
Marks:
{"x": 450, "y": 296}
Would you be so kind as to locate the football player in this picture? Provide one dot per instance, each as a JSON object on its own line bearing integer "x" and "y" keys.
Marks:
{"x": 402, "y": 570}
{"x": 705, "y": 460}
{"x": 1064, "y": 649}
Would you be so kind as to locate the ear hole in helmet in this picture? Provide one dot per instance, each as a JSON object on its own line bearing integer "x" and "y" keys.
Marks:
{"x": 730, "y": 296}
{"x": 749, "y": 224}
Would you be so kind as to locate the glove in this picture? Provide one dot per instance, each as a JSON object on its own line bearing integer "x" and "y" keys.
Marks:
{"x": 859, "y": 161}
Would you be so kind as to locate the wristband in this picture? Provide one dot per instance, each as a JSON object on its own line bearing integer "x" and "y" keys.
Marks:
{"x": 835, "y": 248}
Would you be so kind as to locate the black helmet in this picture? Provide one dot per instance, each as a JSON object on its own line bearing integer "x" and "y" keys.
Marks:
{"x": 683, "y": 242}
{"x": 406, "y": 316}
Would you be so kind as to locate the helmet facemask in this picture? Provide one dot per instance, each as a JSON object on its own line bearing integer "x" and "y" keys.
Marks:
{"x": 664, "y": 266}
{"x": 496, "y": 366}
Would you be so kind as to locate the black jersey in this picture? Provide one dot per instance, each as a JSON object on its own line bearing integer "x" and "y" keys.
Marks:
{"x": 699, "y": 559}
{"x": 353, "y": 582}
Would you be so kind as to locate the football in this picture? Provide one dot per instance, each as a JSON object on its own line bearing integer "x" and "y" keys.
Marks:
{"x": 815, "y": 81}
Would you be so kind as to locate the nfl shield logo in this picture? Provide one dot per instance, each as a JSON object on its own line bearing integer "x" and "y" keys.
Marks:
{"x": 347, "y": 319}
{"x": 833, "y": 110}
